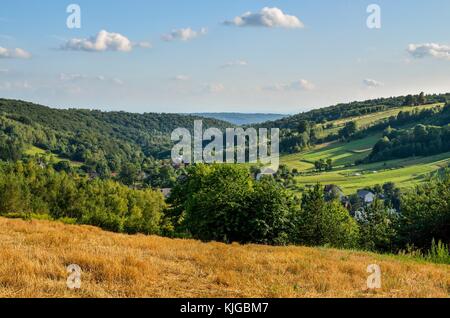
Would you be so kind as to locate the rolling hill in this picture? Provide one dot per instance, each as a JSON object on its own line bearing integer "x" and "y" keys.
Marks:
{"x": 101, "y": 140}
{"x": 35, "y": 254}
{"x": 105, "y": 141}
{"x": 354, "y": 109}
{"x": 406, "y": 172}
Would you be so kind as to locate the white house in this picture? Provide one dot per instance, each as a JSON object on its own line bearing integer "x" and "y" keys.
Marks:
{"x": 366, "y": 196}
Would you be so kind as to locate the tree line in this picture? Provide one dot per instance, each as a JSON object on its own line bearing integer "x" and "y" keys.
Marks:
{"x": 28, "y": 189}
{"x": 226, "y": 203}
{"x": 422, "y": 140}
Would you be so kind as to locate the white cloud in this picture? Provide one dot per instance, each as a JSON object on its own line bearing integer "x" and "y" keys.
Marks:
{"x": 214, "y": 88}
{"x": 372, "y": 83}
{"x": 183, "y": 34}
{"x": 71, "y": 77}
{"x": 181, "y": 78}
{"x": 144, "y": 45}
{"x": 15, "y": 85}
{"x": 267, "y": 17}
{"x": 16, "y": 53}
{"x": 235, "y": 63}
{"x": 64, "y": 77}
{"x": 434, "y": 50}
{"x": 4, "y": 71}
{"x": 117, "y": 81}
{"x": 103, "y": 41}
{"x": 300, "y": 85}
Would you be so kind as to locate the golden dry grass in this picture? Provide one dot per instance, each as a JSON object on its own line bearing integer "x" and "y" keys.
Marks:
{"x": 34, "y": 256}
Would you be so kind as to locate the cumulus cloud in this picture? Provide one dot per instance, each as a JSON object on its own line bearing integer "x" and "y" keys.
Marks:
{"x": 300, "y": 85}
{"x": 103, "y": 41}
{"x": 372, "y": 83}
{"x": 267, "y": 17}
{"x": 433, "y": 50}
{"x": 183, "y": 34}
{"x": 16, "y": 53}
{"x": 234, "y": 64}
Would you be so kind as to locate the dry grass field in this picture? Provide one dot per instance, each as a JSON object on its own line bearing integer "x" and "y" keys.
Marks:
{"x": 34, "y": 256}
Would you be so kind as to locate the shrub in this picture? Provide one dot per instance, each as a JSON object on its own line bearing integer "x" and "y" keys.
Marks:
{"x": 223, "y": 203}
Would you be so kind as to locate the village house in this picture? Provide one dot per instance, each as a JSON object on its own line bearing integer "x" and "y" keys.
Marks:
{"x": 366, "y": 196}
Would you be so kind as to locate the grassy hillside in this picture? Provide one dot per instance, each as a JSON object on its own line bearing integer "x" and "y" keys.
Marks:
{"x": 368, "y": 120}
{"x": 344, "y": 111}
{"x": 34, "y": 256}
{"x": 36, "y": 151}
{"x": 404, "y": 172}
{"x": 342, "y": 153}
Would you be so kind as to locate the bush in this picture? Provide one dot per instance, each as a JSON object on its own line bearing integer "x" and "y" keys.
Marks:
{"x": 378, "y": 227}
{"x": 439, "y": 253}
{"x": 223, "y": 203}
{"x": 426, "y": 213}
{"x": 324, "y": 223}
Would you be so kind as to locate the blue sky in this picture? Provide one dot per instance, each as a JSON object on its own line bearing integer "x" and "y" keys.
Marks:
{"x": 315, "y": 53}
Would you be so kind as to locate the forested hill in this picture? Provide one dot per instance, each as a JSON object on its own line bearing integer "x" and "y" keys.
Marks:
{"x": 105, "y": 140}
{"x": 356, "y": 108}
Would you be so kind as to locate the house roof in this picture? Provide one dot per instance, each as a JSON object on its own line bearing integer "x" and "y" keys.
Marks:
{"x": 331, "y": 187}
{"x": 363, "y": 193}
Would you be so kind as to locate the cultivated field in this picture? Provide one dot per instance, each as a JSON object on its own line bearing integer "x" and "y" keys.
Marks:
{"x": 34, "y": 256}
{"x": 371, "y": 119}
{"x": 405, "y": 173}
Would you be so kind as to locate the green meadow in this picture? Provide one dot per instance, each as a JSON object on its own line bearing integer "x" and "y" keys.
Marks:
{"x": 406, "y": 173}
{"x": 370, "y": 119}
{"x": 34, "y": 151}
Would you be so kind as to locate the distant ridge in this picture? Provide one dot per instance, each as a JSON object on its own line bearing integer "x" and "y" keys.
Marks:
{"x": 242, "y": 118}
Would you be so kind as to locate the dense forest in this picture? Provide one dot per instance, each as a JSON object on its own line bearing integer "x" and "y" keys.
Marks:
{"x": 103, "y": 141}
{"x": 28, "y": 189}
{"x": 420, "y": 141}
